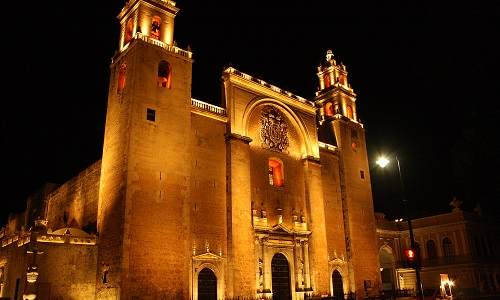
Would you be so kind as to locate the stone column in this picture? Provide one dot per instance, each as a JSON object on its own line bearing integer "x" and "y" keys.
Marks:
{"x": 307, "y": 277}
{"x": 241, "y": 256}
{"x": 259, "y": 261}
{"x": 319, "y": 256}
{"x": 297, "y": 258}
{"x": 267, "y": 266}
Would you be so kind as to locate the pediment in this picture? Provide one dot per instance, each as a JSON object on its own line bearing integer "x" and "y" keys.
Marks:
{"x": 207, "y": 256}
{"x": 280, "y": 228}
{"x": 337, "y": 261}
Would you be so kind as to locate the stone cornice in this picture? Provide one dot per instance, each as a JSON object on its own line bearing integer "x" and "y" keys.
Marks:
{"x": 235, "y": 136}
{"x": 312, "y": 159}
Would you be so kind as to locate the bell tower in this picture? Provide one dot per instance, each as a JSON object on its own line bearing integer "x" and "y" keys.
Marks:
{"x": 336, "y": 105}
{"x": 143, "y": 210}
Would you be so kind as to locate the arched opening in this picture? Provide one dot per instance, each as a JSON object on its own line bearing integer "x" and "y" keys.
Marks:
{"x": 164, "y": 74}
{"x": 326, "y": 79}
{"x": 122, "y": 78}
{"x": 337, "y": 285}
{"x": 348, "y": 111}
{"x": 342, "y": 79}
{"x": 275, "y": 173}
{"x": 155, "y": 27}
{"x": 329, "y": 109}
{"x": 448, "y": 250}
{"x": 431, "y": 249}
{"x": 129, "y": 29}
{"x": 280, "y": 277}
{"x": 207, "y": 285}
{"x": 386, "y": 260}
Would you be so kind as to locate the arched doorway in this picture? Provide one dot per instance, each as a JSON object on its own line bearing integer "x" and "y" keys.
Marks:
{"x": 280, "y": 277}
{"x": 387, "y": 261}
{"x": 207, "y": 285}
{"x": 337, "y": 285}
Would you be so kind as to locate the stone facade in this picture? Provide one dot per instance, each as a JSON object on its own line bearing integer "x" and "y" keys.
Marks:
{"x": 196, "y": 201}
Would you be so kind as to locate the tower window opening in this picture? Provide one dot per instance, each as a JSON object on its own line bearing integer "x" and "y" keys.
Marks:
{"x": 275, "y": 173}
{"x": 151, "y": 115}
{"x": 362, "y": 174}
{"x": 129, "y": 30}
{"x": 326, "y": 78}
{"x": 349, "y": 112}
{"x": 164, "y": 74}
{"x": 342, "y": 79}
{"x": 122, "y": 78}
{"x": 329, "y": 109}
{"x": 155, "y": 27}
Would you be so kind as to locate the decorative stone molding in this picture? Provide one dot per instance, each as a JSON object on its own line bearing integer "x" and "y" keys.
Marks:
{"x": 312, "y": 159}
{"x": 235, "y": 136}
{"x": 274, "y": 130}
{"x": 213, "y": 262}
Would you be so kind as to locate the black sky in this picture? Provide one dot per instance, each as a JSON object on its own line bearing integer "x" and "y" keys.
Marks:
{"x": 426, "y": 75}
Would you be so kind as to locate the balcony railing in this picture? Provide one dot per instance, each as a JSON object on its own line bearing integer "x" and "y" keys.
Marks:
{"x": 327, "y": 146}
{"x": 208, "y": 107}
{"x": 170, "y": 48}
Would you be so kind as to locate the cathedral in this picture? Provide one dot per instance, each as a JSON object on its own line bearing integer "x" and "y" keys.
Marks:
{"x": 266, "y": 196}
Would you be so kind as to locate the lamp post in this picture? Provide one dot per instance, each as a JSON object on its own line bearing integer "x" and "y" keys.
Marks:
{"x": 383, "y": 162}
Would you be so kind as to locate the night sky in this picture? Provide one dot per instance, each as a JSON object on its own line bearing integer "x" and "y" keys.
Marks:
{"x": 426, "y": 75}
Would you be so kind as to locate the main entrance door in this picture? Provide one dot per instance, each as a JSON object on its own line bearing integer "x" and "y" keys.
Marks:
{"x": 280, "y": 277}
{"x": 207, "y": 285}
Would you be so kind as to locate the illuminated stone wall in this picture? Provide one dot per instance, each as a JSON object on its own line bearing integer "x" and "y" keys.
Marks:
{"x": 358, "y": 207}
{"x": 208, "y": 194}
{"x": 335, "y": 229}
{"x": 76, "y": 200}
{"x": 13, "y": 261}
{"x": 67, "y": 271}
{"x": 144, "y": 200}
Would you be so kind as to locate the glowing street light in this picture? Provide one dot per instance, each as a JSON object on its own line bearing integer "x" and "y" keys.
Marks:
{"x": 382, "y": 161}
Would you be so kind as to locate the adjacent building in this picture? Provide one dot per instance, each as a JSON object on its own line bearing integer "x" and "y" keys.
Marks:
{"x": 459, "y": 247}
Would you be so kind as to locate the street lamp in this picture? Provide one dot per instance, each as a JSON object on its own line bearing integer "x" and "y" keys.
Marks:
{"x": 383, "y": 162}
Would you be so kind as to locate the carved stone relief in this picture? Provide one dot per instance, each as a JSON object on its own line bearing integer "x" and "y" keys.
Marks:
{"x": 274, "y": 130}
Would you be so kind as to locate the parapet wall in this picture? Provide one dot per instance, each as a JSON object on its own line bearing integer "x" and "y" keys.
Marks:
{"x": 74, "y": 204}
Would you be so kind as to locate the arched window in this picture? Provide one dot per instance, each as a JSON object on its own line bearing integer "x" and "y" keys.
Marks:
{"x": 431, "y": 249}
{"x": 155, "y": 27}
{"x": 448, "y": 249}
{"x": 164, "y": 74}
{"x": 122, "y": 78}
{"x": 129, "y": 29}
{"x": 275, "y": 173}
{"x": 348, "y": 111}
{"x": 329, "y": 109}
{"x": 326, "y": 79}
